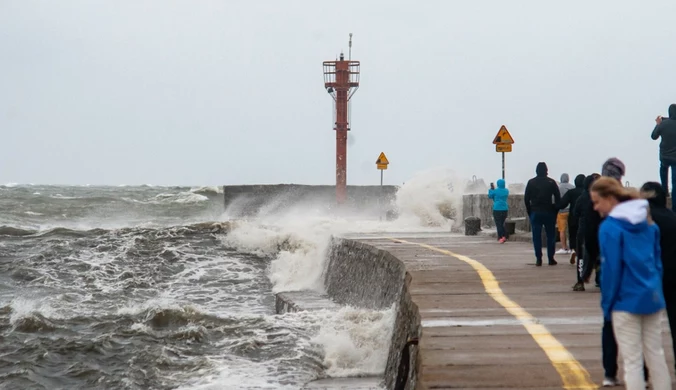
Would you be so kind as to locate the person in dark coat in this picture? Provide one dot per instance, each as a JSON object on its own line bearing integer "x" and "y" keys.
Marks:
{"x": 666, "y": 129}
{"x": 665, "y": 219}
{"x": 541, "y": 197}
{"x": 569, "y": 200}
{"x": 581, "y": 211}
{"x": 614, "y": 168}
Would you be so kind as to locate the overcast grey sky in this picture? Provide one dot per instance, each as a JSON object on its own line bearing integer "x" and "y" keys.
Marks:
{"x": 231, "y": 92}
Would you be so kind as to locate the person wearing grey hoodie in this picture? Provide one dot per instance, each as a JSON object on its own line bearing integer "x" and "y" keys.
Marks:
{"x": 665, "y": 129}
{"x": 562, "y": 217}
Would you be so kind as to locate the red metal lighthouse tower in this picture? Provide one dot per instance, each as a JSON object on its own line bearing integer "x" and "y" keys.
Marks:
{"x": 341, "y": 80}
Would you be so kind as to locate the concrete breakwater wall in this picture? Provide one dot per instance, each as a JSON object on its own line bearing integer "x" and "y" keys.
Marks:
{"x": 360, "y": 275}
{"x": 247, "y": 200}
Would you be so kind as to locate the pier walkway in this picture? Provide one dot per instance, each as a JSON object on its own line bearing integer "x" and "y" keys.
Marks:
{"x": 492, "y": 320}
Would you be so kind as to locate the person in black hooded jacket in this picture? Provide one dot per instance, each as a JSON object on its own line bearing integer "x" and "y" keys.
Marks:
{"x": 570, "y": 199}
{"x": 665, "y": 219}
{"x": 581, "y": 211}
{"x": 541, "y": 197}
{"x": 591, "y": 220}
{"x": 666, "y": 129}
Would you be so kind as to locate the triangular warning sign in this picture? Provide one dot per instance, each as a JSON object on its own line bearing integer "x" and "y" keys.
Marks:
{"x": 503, "y": 137}
{"x": 382, "y": 159}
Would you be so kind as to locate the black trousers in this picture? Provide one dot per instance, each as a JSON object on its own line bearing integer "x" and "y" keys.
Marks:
{"x": 609, "y": 350}
{"x": 670, "y": 298}
{"x": 572, "y": 235}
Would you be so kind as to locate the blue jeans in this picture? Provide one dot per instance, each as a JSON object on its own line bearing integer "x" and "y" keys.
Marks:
{"x": 537, "y": 221}
{"x": 500, "y": 217}
{"x": 665, "y": 164}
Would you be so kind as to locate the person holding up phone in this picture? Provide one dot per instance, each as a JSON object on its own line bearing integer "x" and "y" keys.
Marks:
{"x": 665, "y": 128}
{"x": 500, "y": 208}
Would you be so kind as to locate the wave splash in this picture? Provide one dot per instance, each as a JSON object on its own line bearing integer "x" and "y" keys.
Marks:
{"x": 296, "y": 239}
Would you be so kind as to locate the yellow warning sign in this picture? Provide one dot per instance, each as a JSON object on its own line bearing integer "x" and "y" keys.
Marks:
{"x": 382, "y": 159}
{"x": 381, "y": 166}
{"x": 503, "y": 137}
{"x": 503, "y": 148}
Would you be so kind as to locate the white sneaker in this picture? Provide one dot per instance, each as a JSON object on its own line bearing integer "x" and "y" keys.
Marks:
{"x": 610, "y": 382}
{"x": 562, "y": 251}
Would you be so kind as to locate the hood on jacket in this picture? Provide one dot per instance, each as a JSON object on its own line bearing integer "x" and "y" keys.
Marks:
{"x": 565, "y": 178}
{"x": 654, "y": 194}
{"x": 672, "y": 111}
{"x": 579, "y": 181}
{"x": 501, "y": 183}
{"x": 589, "y": 180}
{"x": 633, "y": 211}
{"x": 541, "y": 169}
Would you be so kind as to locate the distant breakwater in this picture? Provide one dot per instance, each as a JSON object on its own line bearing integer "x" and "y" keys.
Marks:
{"x": 247, "y": 200}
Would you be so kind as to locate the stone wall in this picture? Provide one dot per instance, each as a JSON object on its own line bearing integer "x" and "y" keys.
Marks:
{"x": 478, "y": 205}
{"x": 247, "y": 200}
{"x": 361, "y": 275}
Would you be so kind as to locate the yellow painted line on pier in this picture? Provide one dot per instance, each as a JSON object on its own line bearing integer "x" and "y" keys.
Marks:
{"x": 573, "y": 374}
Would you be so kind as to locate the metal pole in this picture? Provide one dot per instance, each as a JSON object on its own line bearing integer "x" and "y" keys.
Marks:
{"x": 503, "y": 165}
{"x": 380, "y": 202}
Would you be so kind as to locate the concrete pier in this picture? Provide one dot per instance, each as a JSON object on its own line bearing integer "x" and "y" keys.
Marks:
{"x": 491, "y": 319}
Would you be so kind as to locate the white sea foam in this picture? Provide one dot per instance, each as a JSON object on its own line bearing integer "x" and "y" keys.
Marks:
{"x": 207, "y": 190}
{"x": 352, "y": 342}
{"x": 181, "y": 197}
{"x": 356, "y": 341}
{"x": 60, "y": 196}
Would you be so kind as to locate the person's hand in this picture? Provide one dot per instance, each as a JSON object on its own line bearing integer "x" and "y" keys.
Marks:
{"x": 658, "y": 120}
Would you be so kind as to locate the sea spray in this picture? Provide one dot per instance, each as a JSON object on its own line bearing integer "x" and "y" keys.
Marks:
{"x": 356, "y": 341}
{"x": 431, "y": 198}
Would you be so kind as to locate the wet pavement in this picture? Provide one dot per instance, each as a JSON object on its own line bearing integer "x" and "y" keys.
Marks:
{"x": 491, "y": 319}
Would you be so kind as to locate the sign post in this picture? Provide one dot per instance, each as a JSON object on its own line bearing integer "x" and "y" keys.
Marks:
{"x": 381, "y": 164}
{"x": 503, "y": 144}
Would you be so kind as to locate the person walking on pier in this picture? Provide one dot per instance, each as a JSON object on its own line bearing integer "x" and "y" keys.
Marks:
{"x": 541, "y": 197}
{"x": 631, "y": 280}
{"x": 666, "y": 221}
{"x": 500, "y": 208}
{"x": 568, "y": 201}
{"x": 562, "y": 216}
{"x": 613, "y": 168}
{"x": 581, "y": 212}
{"x": 665, "y": 128}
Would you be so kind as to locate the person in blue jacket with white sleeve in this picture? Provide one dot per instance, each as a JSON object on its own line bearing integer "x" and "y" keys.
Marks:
{"x": 631, "y": 280}
{"x": 500, "y": 207}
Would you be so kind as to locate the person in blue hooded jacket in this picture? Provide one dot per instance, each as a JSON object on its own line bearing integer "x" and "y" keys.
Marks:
{"x": 500, "y": 207}
{"x": 631, "y": 280}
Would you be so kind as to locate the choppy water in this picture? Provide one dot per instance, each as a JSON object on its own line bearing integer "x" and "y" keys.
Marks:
{"x": 129, "y": 288}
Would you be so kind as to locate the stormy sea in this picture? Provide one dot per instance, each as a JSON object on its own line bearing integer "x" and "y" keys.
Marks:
{"x": 148, "y": 287}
